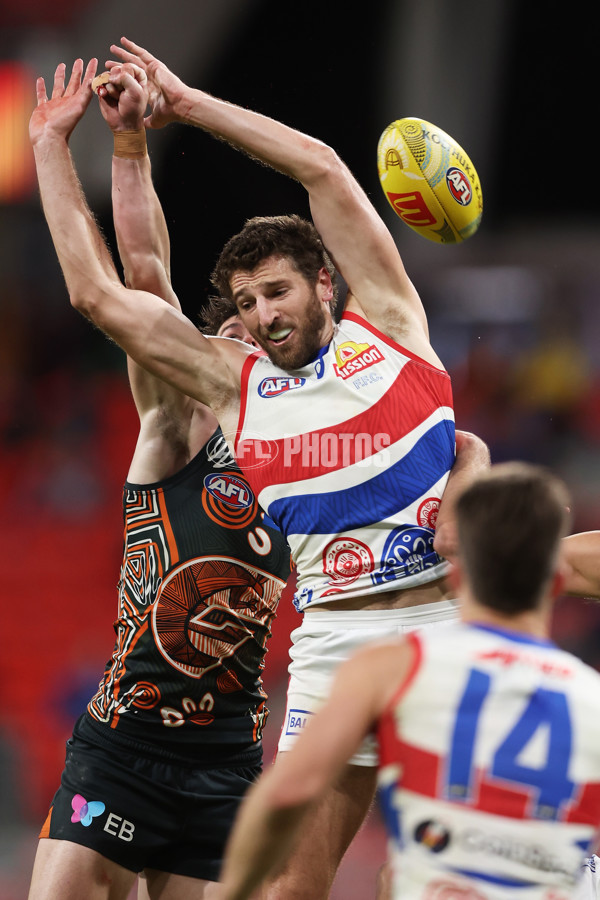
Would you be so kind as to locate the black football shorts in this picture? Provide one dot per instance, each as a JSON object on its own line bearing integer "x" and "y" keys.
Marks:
{"x": 145, "y": 812}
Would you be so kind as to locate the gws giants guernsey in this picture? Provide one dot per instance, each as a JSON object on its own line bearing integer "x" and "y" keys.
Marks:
{"x": 200, "y": 583}
{"x": 349, "y": 455}
{"x": 490, "y": 768}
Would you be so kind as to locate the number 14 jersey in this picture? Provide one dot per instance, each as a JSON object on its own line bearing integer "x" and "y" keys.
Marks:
{"x": 490, "y": 767}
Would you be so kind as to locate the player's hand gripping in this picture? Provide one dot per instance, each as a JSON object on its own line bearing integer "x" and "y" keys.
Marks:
{"x": 165, "y": 90}
{"x": 58, "y": 116}
{"x": 124, "y": 99}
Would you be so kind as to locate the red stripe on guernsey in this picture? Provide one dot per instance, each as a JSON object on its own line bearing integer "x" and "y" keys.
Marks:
{"x": 414, "y": 642}
{"x": 417, "y": 392}
{"x": 353, "y": 317}
{"x": 502, "y": 801}
{"x": 420, "y": 768}
{"x": 586, "y": 809}
{"x": 245, "y": 376}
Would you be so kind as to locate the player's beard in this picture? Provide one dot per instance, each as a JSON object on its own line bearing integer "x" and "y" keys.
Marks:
{"x": 306, "y": 340}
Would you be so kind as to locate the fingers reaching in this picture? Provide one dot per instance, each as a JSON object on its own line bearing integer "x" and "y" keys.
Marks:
{"x": 58, "y": 88}
{"x": 131, "y": 53}
{"x": 40, "y": 91}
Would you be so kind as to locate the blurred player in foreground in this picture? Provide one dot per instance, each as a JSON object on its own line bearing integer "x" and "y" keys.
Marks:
{"x": 581, "y": 553}
{"x": 159, "y": 762}
{"x": 359, "y": 412}
{"x": 489, "y": 734}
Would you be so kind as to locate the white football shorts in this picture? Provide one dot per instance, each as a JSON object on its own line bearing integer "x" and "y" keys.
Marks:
{"x": 327, "y": 638}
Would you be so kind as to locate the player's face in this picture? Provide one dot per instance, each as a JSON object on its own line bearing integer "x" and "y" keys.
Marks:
{"x": 288, "y": 316}
{"x": 235, "y": 328}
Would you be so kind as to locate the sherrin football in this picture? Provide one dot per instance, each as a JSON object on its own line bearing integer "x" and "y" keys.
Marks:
{"x": 429, "y": 181}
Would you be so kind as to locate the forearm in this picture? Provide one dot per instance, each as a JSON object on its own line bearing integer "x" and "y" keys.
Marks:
{"x": 280, "y": 146}
{"x": 261, "y": 840}
{"x": 472, "y": 457}
{"x": 581, "y": 552}
{"x": 141, "y": 229}
{"x": 83, "y": 255}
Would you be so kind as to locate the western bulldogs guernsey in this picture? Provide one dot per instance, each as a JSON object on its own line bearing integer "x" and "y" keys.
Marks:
{"x": 201, "y": 579}
{"x": 349, "y": 456}
{"x": 490, "y": 768}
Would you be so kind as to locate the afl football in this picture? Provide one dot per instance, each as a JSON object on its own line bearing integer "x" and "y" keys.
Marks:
{"x": 429, "y": 181}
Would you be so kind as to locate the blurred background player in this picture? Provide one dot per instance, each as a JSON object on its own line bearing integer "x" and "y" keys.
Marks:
{"x": 366, "y": 566}
{"x": 157, "y": 765}
{"x": 489, "y": 734}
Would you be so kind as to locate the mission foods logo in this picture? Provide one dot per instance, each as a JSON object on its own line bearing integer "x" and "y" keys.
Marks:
{"x": 273, "y": 387}
{"x": 352, "y": 358}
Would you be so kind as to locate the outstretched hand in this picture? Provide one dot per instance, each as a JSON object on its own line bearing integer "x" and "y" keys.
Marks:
{"x": 165, "y": 89}
{"x": 124, "y": 98}
{"x": 59, "y": 115}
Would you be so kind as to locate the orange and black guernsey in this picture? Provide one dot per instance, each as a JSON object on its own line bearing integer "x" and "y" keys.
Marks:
{"x": 203, "y": 570}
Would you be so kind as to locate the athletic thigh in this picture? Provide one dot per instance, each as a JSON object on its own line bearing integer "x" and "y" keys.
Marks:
{"x": 66, "y": 871}
{"x": 156, "y": 885}
{"x": 310, "y": 871}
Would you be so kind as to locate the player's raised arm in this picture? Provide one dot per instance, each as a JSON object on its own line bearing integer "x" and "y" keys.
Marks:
{"x": 149, "y": 330}
{"x": 351, "y": 229}
{"x": 166, "y": 415}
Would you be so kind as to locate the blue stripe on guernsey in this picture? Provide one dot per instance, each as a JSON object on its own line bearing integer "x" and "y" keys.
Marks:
{"x": 494, "y": 879}
{"x": 516, "y": 636}
{"x": 376, "y": 498}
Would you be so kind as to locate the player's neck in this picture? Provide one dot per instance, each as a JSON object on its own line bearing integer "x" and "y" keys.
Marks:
{"x": 532, "y": 622}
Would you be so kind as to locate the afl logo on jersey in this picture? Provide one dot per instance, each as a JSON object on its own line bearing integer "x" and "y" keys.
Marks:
{"x": 273, "y": 387}
{"x": 228, "y": 500}
{"x": 229, "y": 489}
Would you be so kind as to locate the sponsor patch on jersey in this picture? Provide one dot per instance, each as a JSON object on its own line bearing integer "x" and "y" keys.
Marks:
{"x": 296, "y": 720}
{"x": 275, "y": 386}
{"x": 84, "y": 811}
{"x": 229, "y": 489}
{"x": 352, "y": 357}
{"x": 432, "y": 835}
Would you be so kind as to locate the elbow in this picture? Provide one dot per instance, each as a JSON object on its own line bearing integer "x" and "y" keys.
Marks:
{"x": 82, "y": 302}
{"x": 471, "y": 447}
{"x": 324, "y": 165}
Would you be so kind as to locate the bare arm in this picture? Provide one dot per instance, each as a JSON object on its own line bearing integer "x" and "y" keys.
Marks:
{"x": 173, "y": 426}
{"x": 582, "y": 555}
{"x": 274, "y": 809}
{"x": 353, "y": 232}
{"x": 153, "y": 333}
{"x": 472, "y": 457}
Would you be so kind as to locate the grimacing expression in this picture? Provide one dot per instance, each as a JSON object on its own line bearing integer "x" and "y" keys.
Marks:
{"x": 288, "y": 316}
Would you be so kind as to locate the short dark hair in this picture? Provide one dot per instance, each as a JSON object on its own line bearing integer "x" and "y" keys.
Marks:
{"x": 216, "y": 311}
{"x": 510, "y": 521}
{"x": 291, "y": 237}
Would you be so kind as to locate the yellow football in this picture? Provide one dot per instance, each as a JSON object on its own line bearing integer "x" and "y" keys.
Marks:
{"x": 429, "y": 181}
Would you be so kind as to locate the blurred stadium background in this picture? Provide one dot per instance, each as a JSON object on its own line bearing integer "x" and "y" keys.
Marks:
{"x": 514, "y": 312}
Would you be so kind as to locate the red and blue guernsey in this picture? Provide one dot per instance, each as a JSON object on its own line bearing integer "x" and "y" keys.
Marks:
{"x": 349, "y": 456}
{"x": 490, "y": 767}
